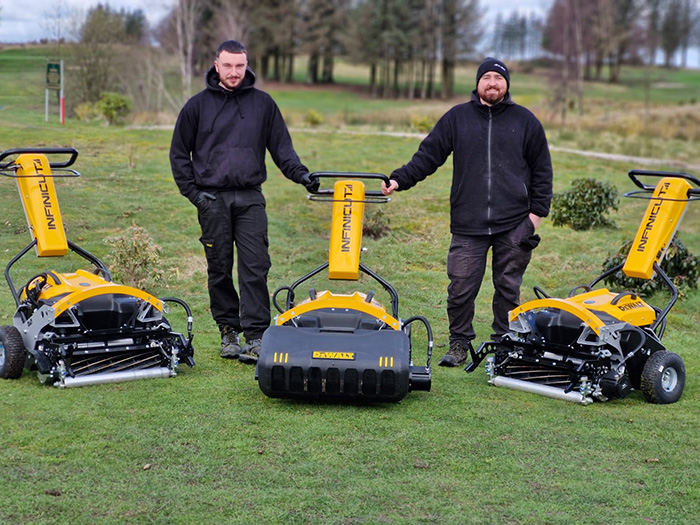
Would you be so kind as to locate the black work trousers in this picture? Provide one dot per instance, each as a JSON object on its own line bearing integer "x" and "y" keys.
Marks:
{"x": 237, "y": 218}
{"x": 466, "y": 264}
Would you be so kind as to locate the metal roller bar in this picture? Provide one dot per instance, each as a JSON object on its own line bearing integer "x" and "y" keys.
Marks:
{"x": 115, "y": 377}
{"x": 543, "y": 390}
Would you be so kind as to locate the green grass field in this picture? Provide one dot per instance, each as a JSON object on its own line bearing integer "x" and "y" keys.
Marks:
{"x": 208, "y": 447}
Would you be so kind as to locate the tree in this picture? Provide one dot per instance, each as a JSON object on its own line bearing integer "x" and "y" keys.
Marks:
{"x": 460, "y": 32}
{"x": 690, "y": 17}
{"x": 186, "y": 18}
{"x": 670, "y": 34}
{"x": 654, "y": 9}
{"x": 95, "y": 53}
{"x": 135, "y": 27}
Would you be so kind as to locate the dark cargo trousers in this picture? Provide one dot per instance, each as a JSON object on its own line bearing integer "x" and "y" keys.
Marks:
{"x": 237, "y": 218}
{"x": 466, "y": 264}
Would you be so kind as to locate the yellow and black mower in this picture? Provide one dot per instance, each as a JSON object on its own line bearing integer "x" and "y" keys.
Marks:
{"x": 596, "y": 344}
{"x": 342, "y": 346}
{"x": 79, "y": 328}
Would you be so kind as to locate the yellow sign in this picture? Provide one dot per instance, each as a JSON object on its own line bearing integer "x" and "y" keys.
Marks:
{"x": 347, "y": 356}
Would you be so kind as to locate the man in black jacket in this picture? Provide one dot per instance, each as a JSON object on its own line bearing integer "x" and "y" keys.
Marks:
{"x": 217, "y": 157}
{"x": 501, "y": 188}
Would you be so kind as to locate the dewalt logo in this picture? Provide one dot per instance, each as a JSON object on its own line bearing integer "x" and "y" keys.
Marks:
{"x": 346, "y": 356}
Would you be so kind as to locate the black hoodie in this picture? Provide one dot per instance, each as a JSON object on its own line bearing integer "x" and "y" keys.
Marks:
{"x": 221, "y": 136}
{"x": 502, "y": 169}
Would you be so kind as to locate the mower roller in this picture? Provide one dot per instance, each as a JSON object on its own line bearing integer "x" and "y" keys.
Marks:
{"x": 342, "y": 346}
{"x": 79, "y": 328}
{"x": 596, "y": 344}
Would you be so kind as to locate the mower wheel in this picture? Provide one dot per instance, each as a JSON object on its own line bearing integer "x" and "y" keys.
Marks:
{"x": 663, "y": 378}
{"x": 12, "y": 353}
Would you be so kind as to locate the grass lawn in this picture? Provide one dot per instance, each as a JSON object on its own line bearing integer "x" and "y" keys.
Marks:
{"x": 208, "y": 447}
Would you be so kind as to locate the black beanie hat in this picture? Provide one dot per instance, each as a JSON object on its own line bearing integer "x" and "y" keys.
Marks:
{"x": 493, "y": 64}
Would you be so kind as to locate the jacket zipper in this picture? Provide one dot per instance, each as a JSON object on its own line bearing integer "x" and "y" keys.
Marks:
{"x": 488, "y": 174}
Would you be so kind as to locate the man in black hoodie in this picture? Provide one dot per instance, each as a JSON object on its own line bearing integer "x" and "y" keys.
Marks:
{"x": 501, "y": 188}
{"x": 217, "y": 157}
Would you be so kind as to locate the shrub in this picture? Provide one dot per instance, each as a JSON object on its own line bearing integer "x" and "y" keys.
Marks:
{"x": 682, "y": 267}
{"x": 375, "y": 225}
{"x": 313, "y": 118}
{"x": 114, "y": 107}
{"x": 135, "y": 259}
{"x": 86, "y": 112}
{"x": 422, "y": 123}
{"x": 586, "y": 205}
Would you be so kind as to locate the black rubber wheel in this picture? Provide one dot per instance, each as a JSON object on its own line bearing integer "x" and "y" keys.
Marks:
{"x": 663, "y": 378}
{"x": 12, "y": 353}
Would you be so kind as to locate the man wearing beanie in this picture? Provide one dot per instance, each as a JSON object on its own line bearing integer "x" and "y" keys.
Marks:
{"x": 501, "y": 188}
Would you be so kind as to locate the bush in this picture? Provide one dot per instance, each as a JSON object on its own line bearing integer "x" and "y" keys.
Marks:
{"x": 375, "y": 225}
{"x": 586, "y": 205}
{"x": 86, "y": 112}
{"x": 313, "y": 118}
{"x": 114, "y": 107}
{"x": 135, "y": 259}
{"x": 422, "y": 123}
{"x": 682, "y": 267}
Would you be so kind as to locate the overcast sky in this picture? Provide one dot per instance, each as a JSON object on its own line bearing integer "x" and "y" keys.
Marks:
{"x": 26, "y": 20}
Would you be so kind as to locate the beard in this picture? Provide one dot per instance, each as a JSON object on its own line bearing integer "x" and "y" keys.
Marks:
{"x": 231, "y": 83}
{"x": 492, "y": 96}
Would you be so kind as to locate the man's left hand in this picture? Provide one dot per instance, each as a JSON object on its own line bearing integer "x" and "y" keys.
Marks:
{"x": 310, "y": 184}
{"x": 535, "y": 220}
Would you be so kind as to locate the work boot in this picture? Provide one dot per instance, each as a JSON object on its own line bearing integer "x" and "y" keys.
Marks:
{"x": 230, "y": 343}
{"x": 456, "y": 355}
{"x": 251, "y": 351}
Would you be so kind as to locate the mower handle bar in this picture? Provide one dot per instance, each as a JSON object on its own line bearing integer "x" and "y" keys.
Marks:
{"x": 349, "y": 175}
{"x": 45, "y": 151}
{"x": 635, "y": 174}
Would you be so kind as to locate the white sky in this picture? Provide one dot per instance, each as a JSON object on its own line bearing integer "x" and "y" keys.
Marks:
{"x": 28, "y": 20}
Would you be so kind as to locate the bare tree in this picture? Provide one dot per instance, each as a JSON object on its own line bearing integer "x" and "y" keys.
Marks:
{"x": 186, "y": 18}
{"x": 234, "y": 21}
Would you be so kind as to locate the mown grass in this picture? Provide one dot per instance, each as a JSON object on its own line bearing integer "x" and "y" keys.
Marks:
{"x": 209, "y": 447}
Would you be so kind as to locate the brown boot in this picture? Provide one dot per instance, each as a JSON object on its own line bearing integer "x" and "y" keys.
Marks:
{"x": 456, "y": 355}
{"x": 230, "y": 343}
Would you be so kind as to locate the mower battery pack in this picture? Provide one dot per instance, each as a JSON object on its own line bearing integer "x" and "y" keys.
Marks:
{"x": 313, "y": 362}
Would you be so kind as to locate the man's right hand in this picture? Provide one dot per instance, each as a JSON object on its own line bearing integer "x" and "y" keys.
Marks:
{"x": 203, "y": 200}
{"x": 388, "y": 190}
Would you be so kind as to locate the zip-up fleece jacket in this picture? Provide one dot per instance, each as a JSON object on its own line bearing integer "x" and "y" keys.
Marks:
{"x": 221, "y": 136}
{"x": 502, "y": 170}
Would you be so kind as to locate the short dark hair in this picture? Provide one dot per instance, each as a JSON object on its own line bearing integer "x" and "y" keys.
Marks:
{"x": 231, "y": 46}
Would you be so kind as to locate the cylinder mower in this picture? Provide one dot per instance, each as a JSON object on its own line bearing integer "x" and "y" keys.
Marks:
{"x": 342, "y": 346}
{"x": 596, "y": 344}
{"x": 79, "y": 328}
